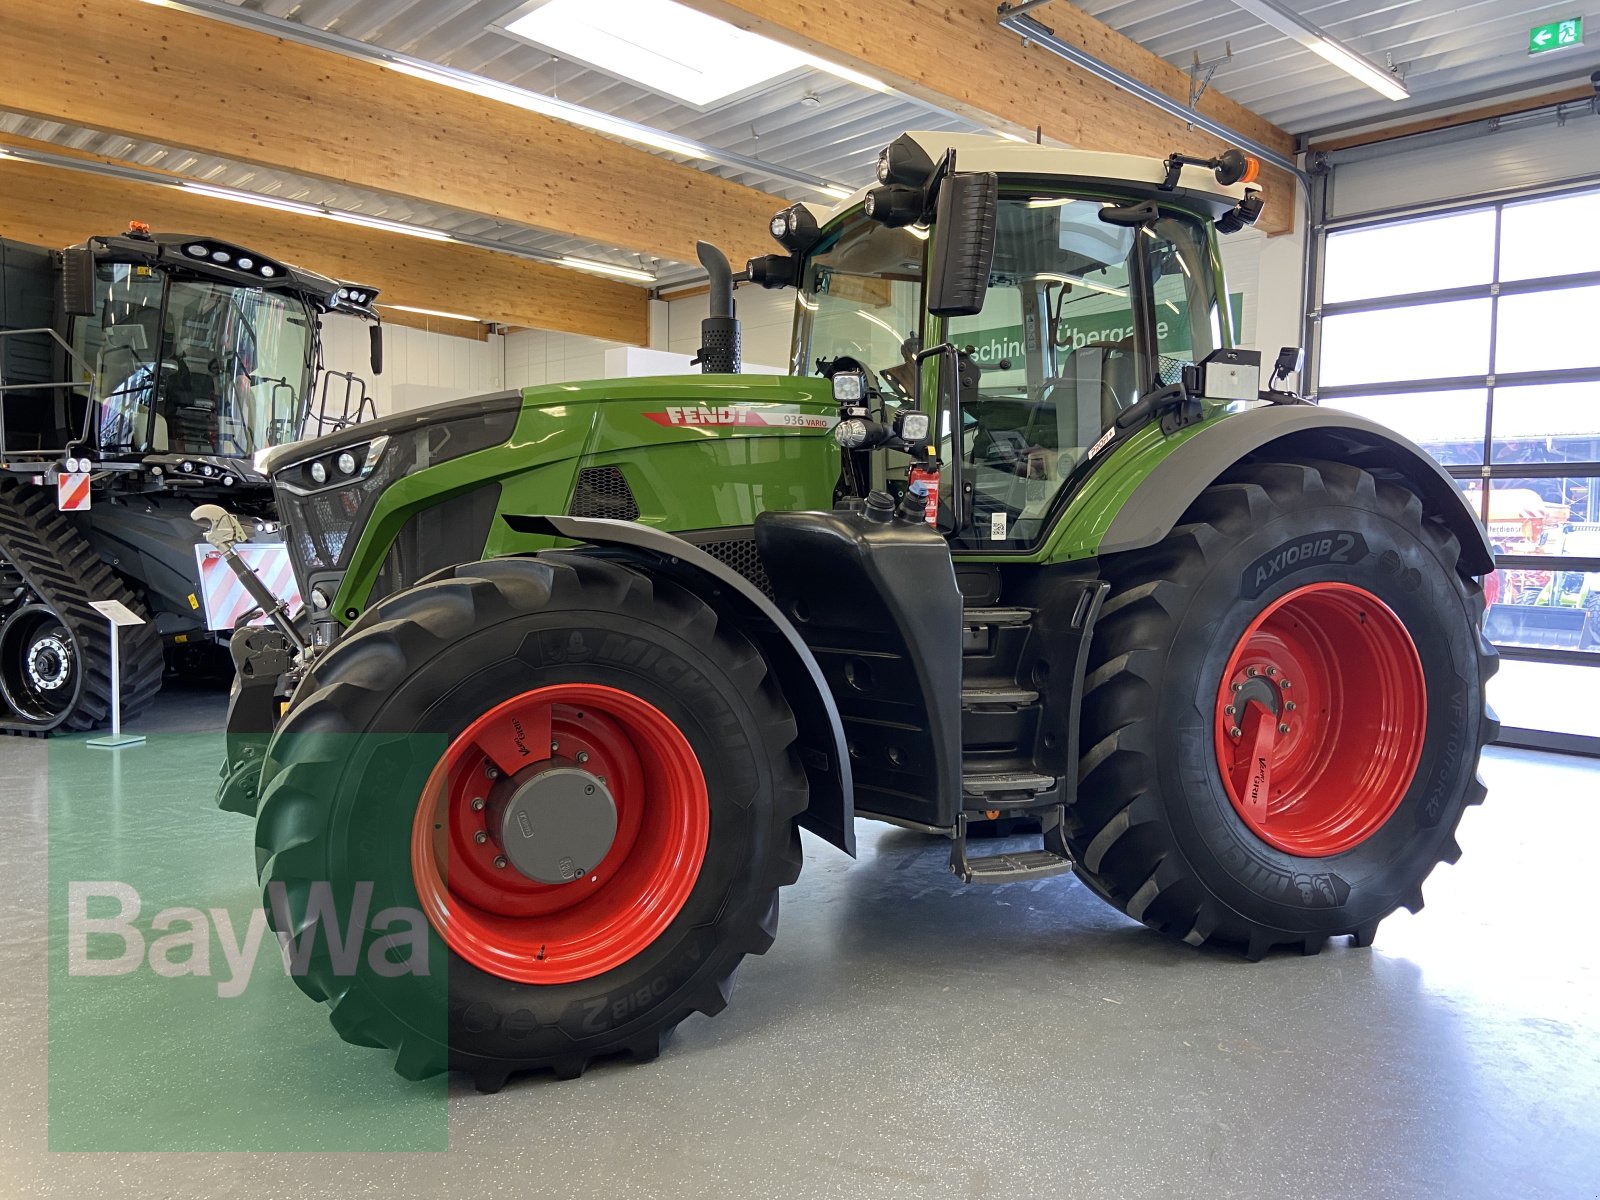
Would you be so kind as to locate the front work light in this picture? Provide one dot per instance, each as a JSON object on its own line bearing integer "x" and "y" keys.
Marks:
{"x": 850, "y": 387}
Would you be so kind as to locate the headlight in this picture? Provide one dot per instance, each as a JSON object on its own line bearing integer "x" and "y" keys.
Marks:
{"x": 795, "y": 229}
{"x": 324, "y": 514}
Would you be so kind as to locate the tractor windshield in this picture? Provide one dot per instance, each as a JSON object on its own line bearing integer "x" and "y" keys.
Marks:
{"x": 195, "y": 367}
{"x": 861, "y": 296}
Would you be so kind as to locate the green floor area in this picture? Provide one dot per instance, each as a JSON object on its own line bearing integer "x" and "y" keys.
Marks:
{"x": 187, "y": 1033}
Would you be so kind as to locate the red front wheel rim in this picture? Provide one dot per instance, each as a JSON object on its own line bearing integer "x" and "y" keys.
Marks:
{"x": 1320, "y": 719}
{"x": 515, "y": 926}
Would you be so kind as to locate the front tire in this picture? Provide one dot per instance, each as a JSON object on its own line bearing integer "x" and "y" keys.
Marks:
{"x": 466, "y": 725}
{"x": 1283, "y": 713}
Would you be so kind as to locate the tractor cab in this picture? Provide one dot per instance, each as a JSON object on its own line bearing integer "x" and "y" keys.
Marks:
{"x": 1050, "y": 290}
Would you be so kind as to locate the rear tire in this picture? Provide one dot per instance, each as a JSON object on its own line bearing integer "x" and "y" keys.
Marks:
{"x": 1170, "y": 824}
{"x": 413, "y": 678}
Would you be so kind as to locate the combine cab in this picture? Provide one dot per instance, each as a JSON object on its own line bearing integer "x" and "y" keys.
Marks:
{"x": 1023, "y": 538}
{"x": 138, "y": 375}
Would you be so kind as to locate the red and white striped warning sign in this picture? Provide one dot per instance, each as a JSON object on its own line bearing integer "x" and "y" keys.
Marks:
{"x": 225, "y": 597}
{"x": 72, "y": 491}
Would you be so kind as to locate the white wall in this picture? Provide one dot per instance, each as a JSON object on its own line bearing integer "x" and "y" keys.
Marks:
{"x": 766, "y": 321}
{"x": 419, "y": 367}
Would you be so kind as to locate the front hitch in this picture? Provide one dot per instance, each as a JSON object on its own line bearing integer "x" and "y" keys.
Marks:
{"x": 264, "y": 659}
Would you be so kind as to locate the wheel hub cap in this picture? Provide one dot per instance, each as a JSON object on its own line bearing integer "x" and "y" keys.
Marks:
{"x": 558, "y": 825}
{"x": 48, "y": 663}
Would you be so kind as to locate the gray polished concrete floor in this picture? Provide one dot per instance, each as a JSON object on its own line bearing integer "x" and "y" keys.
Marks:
{"x": 909, "y": 1037}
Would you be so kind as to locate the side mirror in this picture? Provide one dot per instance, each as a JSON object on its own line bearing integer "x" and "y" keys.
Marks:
{"x": 965, "y": 223}
{"x": 377, "y": 349}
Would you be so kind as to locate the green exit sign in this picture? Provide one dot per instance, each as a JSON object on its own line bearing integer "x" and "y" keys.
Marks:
{"x": 1557, "y": 35}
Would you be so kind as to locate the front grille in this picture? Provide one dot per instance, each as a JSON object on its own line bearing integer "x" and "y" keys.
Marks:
{"x": 442, "y": 535}
{"x": 603, "y": 492}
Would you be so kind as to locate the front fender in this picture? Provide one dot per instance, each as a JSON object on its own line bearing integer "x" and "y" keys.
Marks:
{"x": 830, "y": 813}
{"x": 1290, "y": 430}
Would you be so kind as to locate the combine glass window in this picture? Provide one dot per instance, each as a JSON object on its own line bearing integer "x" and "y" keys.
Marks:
{"x": 191, "y": 367}
{"x": 123, "y": 345}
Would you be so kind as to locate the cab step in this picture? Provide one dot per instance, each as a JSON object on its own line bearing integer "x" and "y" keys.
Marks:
{"x": 996, "y": 696}
{"x": 1013, "y": 868}
{"x": 1017, "y": 865}
{"x": 990, "y": 785}
{"x": 996, "y": 616}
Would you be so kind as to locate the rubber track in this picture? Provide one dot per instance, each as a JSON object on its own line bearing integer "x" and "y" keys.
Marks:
{"x": 1116, "y": 806}
{"x": 62, "y": 570}
{"x": 380, "y": 651}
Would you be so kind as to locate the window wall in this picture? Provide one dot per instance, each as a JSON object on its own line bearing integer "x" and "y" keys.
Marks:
{"x": 1476, "y": 333}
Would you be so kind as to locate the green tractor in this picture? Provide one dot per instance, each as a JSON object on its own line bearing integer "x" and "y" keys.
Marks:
{"x": 1021, "y": 537}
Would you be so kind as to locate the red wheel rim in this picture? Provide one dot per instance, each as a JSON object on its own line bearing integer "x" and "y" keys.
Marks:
{"x": 1320, "y": 719}
{"x": 516, "y": 927}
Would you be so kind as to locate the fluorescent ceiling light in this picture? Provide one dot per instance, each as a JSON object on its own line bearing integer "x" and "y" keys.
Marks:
{"x": 1355, "y": 65}
{"x": 432, "y": 312}
{"x": 315, "y": 210}
{"x": 658, "y": 44}
{"x": 600, "y": 268}
{"x": 838, "y": 193}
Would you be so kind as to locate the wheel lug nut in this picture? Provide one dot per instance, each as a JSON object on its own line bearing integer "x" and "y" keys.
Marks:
{"x": 583, "y": 756}
{"x": 477, "y": 804}
{"x": 1283, "y": 729}
{"x": 480, "y": 837}
{"x": 1250, "y": 671}
{"x": 1289, "y": 705}
{"x": 1272, "y": 670}
{"x": 1231, "y": 710}
{"x": 500, "y": 861}
{"x": 554, "y": 746}
{"x": 491, "y": 771}
{"x": 1238, "y": 687}
{"x": 1235, "y": 732}
{"x": 1284, "y": 684}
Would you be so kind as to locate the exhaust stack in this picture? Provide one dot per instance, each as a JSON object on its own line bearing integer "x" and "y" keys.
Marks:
{"x": 719, "y": 332}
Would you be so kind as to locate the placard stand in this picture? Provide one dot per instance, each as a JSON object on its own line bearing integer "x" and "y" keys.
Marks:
{"x": 118, "y": 614}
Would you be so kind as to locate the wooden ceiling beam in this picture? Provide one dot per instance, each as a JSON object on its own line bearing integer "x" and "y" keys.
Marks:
{"x": 953, "y": 54}
{"x": 167, "y": 76}
{"x": 54, "y": 206}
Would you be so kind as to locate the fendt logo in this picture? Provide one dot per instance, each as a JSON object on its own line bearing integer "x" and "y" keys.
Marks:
{"x": 780, "y": 416}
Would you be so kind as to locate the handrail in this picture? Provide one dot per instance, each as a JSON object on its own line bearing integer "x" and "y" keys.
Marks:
{"x": 88, "y": 381}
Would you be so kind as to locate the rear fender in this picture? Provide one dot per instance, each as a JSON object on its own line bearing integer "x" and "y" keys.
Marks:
{"x": 830, "y": 813}
{"x": 1292, "y": 431}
